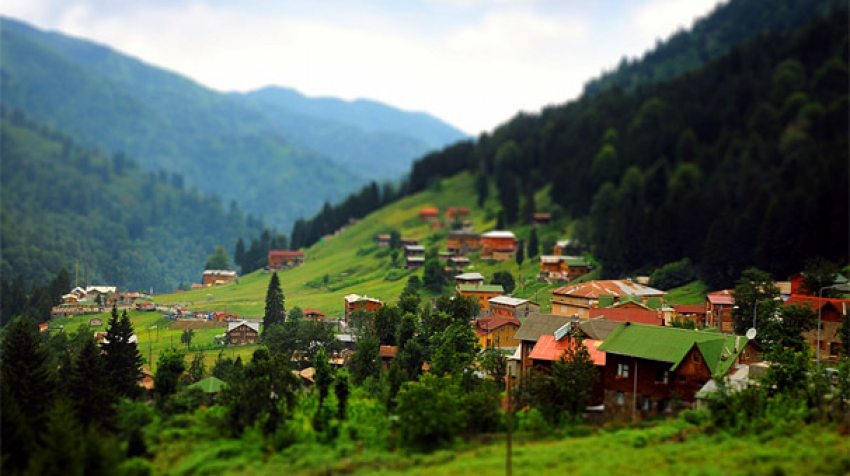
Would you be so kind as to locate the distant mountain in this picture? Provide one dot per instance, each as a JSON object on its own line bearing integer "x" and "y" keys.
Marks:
{"x": 242, "y": 147}
{"x": 62, "y": 205}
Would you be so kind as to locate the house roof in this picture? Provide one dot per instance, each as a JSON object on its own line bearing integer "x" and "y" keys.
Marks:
{"x": 508, "y": 301}
{"x": 499, "y": 234}
{"x": 285, "y": 253}
{"x": 429, "y": 211}
{"x": 414, "y": 248}
{"x": 463, "y": 234}
{"x": 547, "y": 348}
{"x": 615, "y": 287}
{"x": 219, "y": 272}
{"x": 491, "y": 323}
{"x": 598, "y": 328}
{"x": 233, "y": 325}
{"x": 309, "y": 311}
{"x": 721, "y": 297}
{"x": 814, "y": 303}
{"x": 388, "y": 351}
{"x": 351, "y": 298}
{"x": 549, "y": 259}
{"x": 670, "y": 344}
{"x": 481, "y": 288}
{"x": 470, "y": 277}
{"x": 618, "y": 314}
{"x": 537, "y": 324}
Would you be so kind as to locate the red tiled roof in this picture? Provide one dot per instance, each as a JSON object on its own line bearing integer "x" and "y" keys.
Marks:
{"x": 721, "y": 297}
{"x": 640, "y": 316}
{"x": 308, "y": 312}
{"x": 547, "y": 348}
{"x": 490, "y": 324}
{"x": 689, "y": 308}
{"x": 814, "y": 302}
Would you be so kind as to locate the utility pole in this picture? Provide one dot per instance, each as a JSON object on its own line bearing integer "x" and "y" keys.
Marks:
{"x": 509, "y": 463}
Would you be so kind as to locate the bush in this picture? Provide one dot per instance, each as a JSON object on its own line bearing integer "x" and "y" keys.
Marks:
{"x": 673, "y": 275}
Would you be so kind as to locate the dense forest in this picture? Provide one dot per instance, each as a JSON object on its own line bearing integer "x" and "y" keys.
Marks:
{"x": 742, "y": 162}
{"x": 102, "y": 218}
{"x": 728, "y": 25}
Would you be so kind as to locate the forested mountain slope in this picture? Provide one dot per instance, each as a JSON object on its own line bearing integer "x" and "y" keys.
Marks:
{"x": 63, "y": 206}
{"x": 275, "y": 163}
{"x": 728, "y": 25}
{"x": 741, "y": 163}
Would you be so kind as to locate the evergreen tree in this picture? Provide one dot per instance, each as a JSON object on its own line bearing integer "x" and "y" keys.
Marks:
{"x": 533, "y": 244}
{"x": 219, "y": 260}
{"x": 239, "y": 255}
{"x": 341, "y": 391}
{"x": 123, "y": 359}
{"x": 433, "y": 276}
{"x": 323, "y": 376}
{"x": 366, "y": 362}
{"x": 275, "y": 311}
{"x": 520, "y": 253}
{"x": 169, "y": 368}
{"x": 88, "y": 386}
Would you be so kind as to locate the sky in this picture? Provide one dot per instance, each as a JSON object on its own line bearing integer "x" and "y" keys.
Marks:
{"x": 472, "y": 63}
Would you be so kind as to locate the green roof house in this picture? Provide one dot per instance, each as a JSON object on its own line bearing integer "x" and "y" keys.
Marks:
{"x": 647, "y": 366}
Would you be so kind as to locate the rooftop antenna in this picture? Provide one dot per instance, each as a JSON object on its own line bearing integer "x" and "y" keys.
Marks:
{"x": 751, "y": 333}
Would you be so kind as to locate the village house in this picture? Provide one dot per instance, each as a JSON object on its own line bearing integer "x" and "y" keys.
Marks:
{"x": 456, "y": 213}
{"x": 567, "y": 247}
{"x": 578, "y": 299}
{"x": 414, "y": 262}
{"x": 718, "y": 310}
{"x": 457, "y": 263}
{"x": 563, "y": 267}
{"x": 495, "y": 331}
{"x": 647, "y": 366}
{"x": 242, "y": 333}
{"x": 550, "y": 349}
{"x": 414, "y": 250}
{"x": 387, "y": 353}
{"x": 429, "y": 214}
{"x": 383, "y": 241}
{"x": 354, "y": 302}
{"x": 690, "y": 312}
{"x": 278, "y": 259}
{"x": 461, "y": 242}
{"x": 407, "y": 242}
{"x": 632, "y": 312}
{"x": 482, "y": 293}
{"x": 832, "y": 313}
{"x": 535, "y": 326}
{"x": 499, "y": 245}
{"x": 511, "y": 307}
{"x": 215, "y": 277}
{"x": 540, "y": 219}
{"x": 314, "y": 315}
{"x": 474, "y": 279}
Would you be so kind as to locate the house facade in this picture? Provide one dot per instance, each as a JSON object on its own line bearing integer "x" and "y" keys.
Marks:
{"x": 216, "y": 277}
{"x": 550, "y": 349}
{"x": 511, "y": 307}
{"x": 718, "y": 310}
{"x": 461, "y": 242}
{"x": 496, "y": 331}
{"x": 832, "y": 313}
{"x": 314, "y": 315}
{"x": 353, "y": 302}
{"x": 279, "y": 259}
{"x": 535, "y": 326}
{"x": 563, "y": 267}
{"x": 499, "y": 245}
{"x": 242, "y": 333}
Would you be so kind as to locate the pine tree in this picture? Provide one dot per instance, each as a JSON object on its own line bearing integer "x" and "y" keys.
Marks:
{"x": 533, "y": 244}
{"x": 275, "y": 310}
{"x": 123, "y": 359}
{"x": 520, "y": 253}
{"x": 88, "y": 386}
{"x": 323, "y": 376}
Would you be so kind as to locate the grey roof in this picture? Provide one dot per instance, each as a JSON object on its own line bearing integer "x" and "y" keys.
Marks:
{"x": 537, "y": 324}
{"x": 598, "y": 328}
{"x": 234, "y": 325}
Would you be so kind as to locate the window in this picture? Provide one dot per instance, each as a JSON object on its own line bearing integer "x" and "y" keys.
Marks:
{"x": 620, "y": 398}
{"x": 647, "y": 403}
{"x": 697, "y": 358}
{"x": 622, "y": 370}
{"x": 662, "y": 376}
{"x": 563, "y": 309}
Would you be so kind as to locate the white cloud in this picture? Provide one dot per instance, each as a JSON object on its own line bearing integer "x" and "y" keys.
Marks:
{"x": 658, "y": 19}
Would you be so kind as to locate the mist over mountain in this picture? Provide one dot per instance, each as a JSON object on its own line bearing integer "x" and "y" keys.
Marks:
{"x": 273, "y": 151}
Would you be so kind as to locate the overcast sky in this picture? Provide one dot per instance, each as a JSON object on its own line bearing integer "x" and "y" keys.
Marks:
{"x": 472, "y": 63}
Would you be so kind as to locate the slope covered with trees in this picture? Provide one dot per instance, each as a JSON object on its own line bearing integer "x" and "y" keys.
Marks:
{"x": 64, "y": 205}
{"x": 743, "y": 162}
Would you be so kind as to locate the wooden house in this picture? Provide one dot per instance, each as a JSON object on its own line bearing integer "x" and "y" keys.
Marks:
{"x": 718, "y": 310}
{"x": 314, "y": 315}
{"x": 647, "y": 366}
{"x": 407, "y": 242}
{"x": 482, "y": 293}
{"x": 242, "y": 333}
{"x": 540, "y": 219}
{"x": 461, "y": 242}
{"x": 550, "y": 348}
{"x": 633, "y": 314}
{"x": 429, "y": 214}
{"x": 511, "y": 307}
{"x": 563, "y": 267}
{"x": 414, "y": 262}
{"x": 387, "y": 353}
{"x": 353, "y": 302}
{"x": 832, "y": 312}
{"x": 215, "y": 277}
{"x": 279, "y": 259}
{"x": 690, "y": 312}
{"x": 474, "y": 279}
{"x": 535, "y": 326}
{"x": 414, "y": 250}
{"x": 382, "y": 240}
{"x": 578, "y": 299}
{"x": 499, "y": 245}
{"x": 493, "y": 331}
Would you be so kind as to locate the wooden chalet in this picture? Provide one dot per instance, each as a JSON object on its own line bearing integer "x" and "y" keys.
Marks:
{"x": 647, "y": 366}
{"x": 511, "y": 307}
{"x": 216, "y": 277}
{"x": 278, "y": 259}
{"x": 482, "y": 293}
{"x": 353, "y": 302}
{"x": 550, "y": 348}
{"x": 242, "y": 333}
{"x": 718, "y": 310}
{"x": 578, "y": 299}
{"x": 833, "y": 313}
{"x": 498, "y": 245}
{"x": 461, "y": 242}
{"x": 493, "y": 331}
{"x": 314, "y": 315}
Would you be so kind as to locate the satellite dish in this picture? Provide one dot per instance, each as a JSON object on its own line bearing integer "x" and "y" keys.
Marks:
{"x": 751, "y": 333}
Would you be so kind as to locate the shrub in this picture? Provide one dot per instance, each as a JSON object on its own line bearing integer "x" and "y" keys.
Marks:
{"x": 673, "y": 275}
